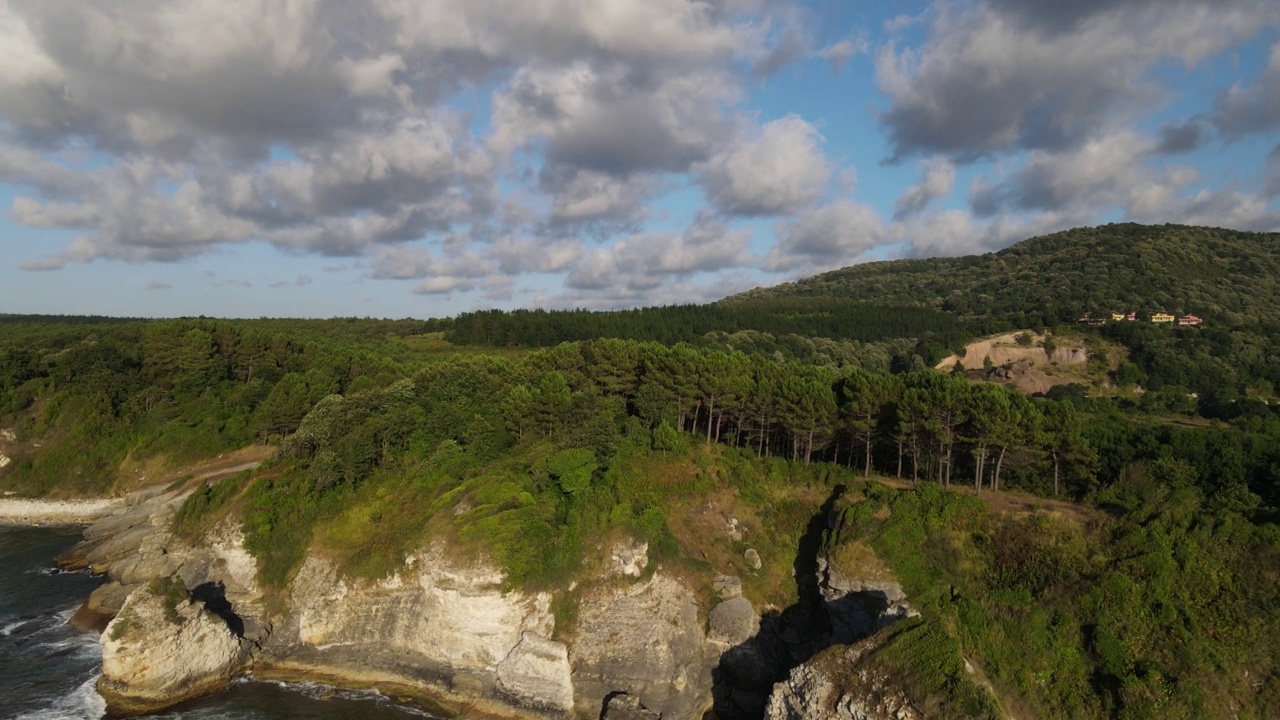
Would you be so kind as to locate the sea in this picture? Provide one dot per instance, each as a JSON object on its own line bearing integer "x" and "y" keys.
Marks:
{"x": 48, "y": 668}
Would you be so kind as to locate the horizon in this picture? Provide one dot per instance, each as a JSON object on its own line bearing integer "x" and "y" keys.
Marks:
{"x": 253, "y": 160}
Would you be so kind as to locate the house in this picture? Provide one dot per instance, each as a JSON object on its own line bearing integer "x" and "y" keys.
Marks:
{"x": 1160, "y": 318}
{"x": 1131, "y": 317}
{"x": 1117, "y": 316}
{"x": 1189, "y": 320}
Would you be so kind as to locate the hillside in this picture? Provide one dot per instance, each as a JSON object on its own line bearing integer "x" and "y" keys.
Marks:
{"x": 745, "y": 467}
{"x": 1226, "y": 276}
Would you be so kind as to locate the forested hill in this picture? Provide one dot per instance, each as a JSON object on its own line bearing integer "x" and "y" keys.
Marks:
{"x": 1225, "y": 276}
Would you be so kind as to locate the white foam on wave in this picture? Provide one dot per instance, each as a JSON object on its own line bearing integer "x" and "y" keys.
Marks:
{"x": 8, "y": 629}
{"x": 82, "y": 646}
{"x": 83, "y": 703}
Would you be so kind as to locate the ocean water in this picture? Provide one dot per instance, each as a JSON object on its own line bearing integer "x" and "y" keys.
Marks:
{"x": 48, "y": 668}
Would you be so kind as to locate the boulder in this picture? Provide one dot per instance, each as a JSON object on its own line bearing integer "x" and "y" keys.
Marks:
{"x": 733, "y": 621}
{"x": 163, "y": 649}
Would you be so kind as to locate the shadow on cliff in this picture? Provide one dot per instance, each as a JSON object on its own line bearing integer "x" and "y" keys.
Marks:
{"x": 214, "y": 597}
{"x": 743, "y": 679}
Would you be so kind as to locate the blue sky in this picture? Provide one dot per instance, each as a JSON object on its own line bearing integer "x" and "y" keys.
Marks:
{"x": 413, "y": 159}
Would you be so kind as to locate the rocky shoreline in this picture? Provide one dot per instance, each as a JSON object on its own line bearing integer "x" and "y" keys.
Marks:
{"x": 23, "y": 511}
{"x": 182, "y": 620}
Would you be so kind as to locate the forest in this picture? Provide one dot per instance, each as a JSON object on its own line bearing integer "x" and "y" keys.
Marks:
{"x": 1101, "y": 555}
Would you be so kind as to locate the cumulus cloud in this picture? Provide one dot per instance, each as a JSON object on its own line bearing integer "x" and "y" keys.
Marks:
{"x": 841, "y": 51}
{"x": 983, "y": 84}
{"x": 826, "y": 237}
{"x": 1179, "y": 138}
{"x": 779, "y": 169}
{"x": 1242, "y": 110}
{"x": 324, "y": 127}
{"x": 1105, "y": 172}
{"x": 643, "y": 262}
{"x": 938, "y": 181}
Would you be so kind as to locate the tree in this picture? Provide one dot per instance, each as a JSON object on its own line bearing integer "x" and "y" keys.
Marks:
{"x": 665, "y": 437}
{"x": 518, "y": 409}
{"x": 864, "y": 396}
{"x": 553, "y": 401}
{"x": 1065, "y": 444}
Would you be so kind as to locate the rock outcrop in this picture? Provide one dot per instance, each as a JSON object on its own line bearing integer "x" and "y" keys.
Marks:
{"x": 453, "y": 631}
{"x": 640, "y": 647}
{"x": 643, "y": 639}
{"x": 164, "y": 648}
{"x": 840, "y": 688}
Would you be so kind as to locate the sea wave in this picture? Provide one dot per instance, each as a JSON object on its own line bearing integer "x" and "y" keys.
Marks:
{"x": 83, "y": 703}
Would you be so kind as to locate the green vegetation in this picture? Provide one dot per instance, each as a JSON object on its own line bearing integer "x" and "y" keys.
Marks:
{"x": 1157, "y": 611}
{"x": 1151, "y": 594}
{"x": 173, "y": 594}
{"x": 1224, "y": 276}
{"x": 920, "y": 659}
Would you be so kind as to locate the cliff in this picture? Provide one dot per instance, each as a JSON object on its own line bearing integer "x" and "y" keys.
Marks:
{"x": 188, "y": 618}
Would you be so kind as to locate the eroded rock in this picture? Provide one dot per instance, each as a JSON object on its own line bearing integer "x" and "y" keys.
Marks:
{"x": 162, "y": 649}
{"x": 643, "y": 639}
{"x": 733, "y": 621}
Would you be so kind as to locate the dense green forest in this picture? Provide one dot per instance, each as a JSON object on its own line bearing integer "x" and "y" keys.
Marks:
{"x": 1098, "y": 555}
{"x": 1225, "y": 276}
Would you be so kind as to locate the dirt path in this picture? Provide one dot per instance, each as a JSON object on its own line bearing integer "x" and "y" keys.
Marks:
{"x": 85, "y": 511}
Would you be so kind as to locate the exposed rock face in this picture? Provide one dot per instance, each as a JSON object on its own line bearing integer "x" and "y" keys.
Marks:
{"x": 643, "y": 639}
{"x": 813, "y": 693}
{"x": 622, "y": 706}
{"x": 157, "y": 653}
{"x": 630, "y": 558}
{"x": 858, "y": 608}
{"x": 640, "y": 649}
{"x": 450, "y": 629}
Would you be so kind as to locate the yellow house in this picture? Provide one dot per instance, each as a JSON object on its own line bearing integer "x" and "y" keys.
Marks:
{"x": 1161, "y": 318}
{"x": 1117, "y": 316}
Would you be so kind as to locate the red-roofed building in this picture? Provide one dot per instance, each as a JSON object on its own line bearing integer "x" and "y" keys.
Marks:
{"x": 1189, "y": 320}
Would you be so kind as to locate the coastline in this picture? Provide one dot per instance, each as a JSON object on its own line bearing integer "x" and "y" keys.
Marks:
{"x": 29, "y": 512}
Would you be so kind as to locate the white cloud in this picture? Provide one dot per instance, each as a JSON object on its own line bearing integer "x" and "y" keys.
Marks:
{"x": 778, "y": 170}
{"x": 827, "y": 237}
{"x": 989, "y": 80}
{"x": 937, "y": 183}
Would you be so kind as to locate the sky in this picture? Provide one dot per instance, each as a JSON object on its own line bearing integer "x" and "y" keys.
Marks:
{"x": 422, "y": 158}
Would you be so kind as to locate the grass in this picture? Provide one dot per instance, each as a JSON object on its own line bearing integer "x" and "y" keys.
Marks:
{"x": 916, "y": 659}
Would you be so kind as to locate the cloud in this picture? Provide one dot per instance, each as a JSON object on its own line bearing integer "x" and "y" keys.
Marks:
{"x": 604, "y": 118}
{"x": 158, "y": 285}
{"x": 1103, "y": 173}
{"x": 985, "y": 84}
{"x": 593, "y": 199}
{"x": 1272, "y": 172}
{"x": 1176, "y": 139}
{"x": 1243, "y": 110}
{"x": 517, "y": 255}
{"x": 327, "y": 128}
{"x": 956, "y": 232}
{"x": 937, "y": 183}
{"x": 301, "y": 281}
{"x": 644, "y": 262}
{"x": 778, "y": 169}
{"x": 825, "y": 237}
{"x": 792, "y": 47}
{"x": 841, "y": 51}
{"x": 404, "y": 263}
